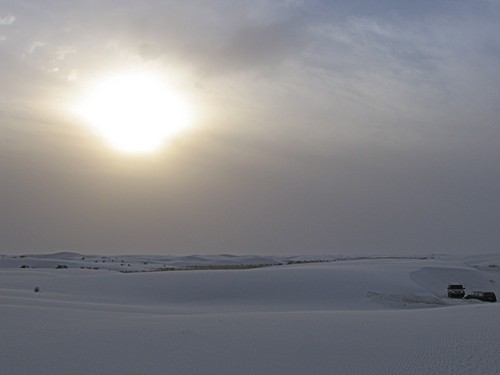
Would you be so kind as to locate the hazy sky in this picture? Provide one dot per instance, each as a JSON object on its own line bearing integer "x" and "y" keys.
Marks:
{"x": 342, "y": 127}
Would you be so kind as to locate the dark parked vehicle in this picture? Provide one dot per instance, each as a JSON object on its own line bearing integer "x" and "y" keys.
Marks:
{"x": 456, "y": 291}
{"x": 482, "y": 296}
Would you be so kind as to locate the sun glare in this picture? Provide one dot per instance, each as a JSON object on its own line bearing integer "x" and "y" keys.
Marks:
{"x": 135, "y": 113}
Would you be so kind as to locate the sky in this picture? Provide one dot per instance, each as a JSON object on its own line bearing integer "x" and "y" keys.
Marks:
{"x": 318, "y": 127}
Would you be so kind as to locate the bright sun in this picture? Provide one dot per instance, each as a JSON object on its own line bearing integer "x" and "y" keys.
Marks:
{"x": 136, "y": 112}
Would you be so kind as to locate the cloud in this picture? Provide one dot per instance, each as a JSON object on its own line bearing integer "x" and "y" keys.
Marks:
{"x": 7, "y": 20}
{"x": 34, "y": 46}
{"x": 62, "y": 52}
{"x": 256, "y": 47}
{"x": 149, "y": 51}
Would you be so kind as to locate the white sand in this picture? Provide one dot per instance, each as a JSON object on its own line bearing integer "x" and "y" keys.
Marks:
{"x": 364, "y": 316}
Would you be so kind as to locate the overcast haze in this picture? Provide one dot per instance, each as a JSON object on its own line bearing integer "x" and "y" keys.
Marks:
{"x": 342, "y": 127}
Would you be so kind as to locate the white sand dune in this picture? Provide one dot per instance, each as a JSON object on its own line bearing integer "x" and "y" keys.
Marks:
{"x": 350, "y": 316}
